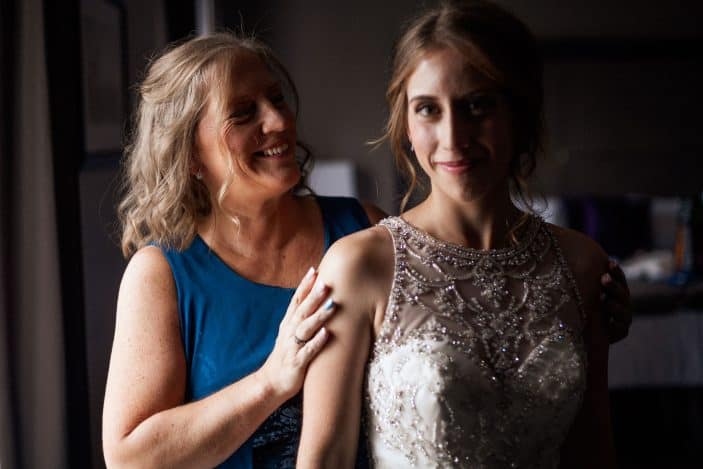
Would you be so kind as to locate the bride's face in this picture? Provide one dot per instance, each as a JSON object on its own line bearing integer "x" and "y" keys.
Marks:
{"x": 460, "y": 126}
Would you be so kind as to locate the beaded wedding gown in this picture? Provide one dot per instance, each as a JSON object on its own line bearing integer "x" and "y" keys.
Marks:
{"x": 479, "y": 362}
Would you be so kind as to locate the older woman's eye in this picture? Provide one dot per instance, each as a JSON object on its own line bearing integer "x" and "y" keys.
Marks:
{"x": 242, "y": 114}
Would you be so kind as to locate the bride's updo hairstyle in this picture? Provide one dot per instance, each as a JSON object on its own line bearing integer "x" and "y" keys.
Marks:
{"x": 499, "y": 47}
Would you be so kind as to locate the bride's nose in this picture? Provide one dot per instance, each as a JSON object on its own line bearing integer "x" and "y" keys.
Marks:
{"x": 456, "y": 131}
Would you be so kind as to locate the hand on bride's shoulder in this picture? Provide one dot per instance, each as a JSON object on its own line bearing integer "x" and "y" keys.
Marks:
{"x": 359, "y": 269}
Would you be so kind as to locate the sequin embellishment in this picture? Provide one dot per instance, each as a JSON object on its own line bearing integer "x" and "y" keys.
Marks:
{"x": 480, "y": 361}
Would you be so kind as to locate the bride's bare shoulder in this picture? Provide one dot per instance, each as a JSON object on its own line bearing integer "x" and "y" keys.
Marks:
{"x": 361, "y": 253}
{"x": 585, "y": 257}
{"x": 578, "y": 247}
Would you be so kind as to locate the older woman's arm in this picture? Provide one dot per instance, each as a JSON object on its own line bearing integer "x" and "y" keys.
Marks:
{"x": 145, "y": 420}
{"x": 616, "y": 301}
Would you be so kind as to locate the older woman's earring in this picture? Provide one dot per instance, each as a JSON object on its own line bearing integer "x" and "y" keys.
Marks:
{"x": 199, "y": 175}
{"x": 412, "y": 150}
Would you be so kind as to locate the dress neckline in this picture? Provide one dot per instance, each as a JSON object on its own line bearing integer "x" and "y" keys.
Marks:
{"x": 529, "y": 233}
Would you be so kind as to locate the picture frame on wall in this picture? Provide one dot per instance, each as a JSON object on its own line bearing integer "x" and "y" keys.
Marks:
{"x": 104, "y": 74}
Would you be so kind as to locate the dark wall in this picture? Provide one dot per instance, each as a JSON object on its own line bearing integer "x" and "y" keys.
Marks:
{"x": 620, "y": 82}
{"x": 118, "y": 38}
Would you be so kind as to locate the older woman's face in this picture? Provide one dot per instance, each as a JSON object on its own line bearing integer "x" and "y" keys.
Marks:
{"x": 260, "y": 136}
{"x": 459, "y": 125}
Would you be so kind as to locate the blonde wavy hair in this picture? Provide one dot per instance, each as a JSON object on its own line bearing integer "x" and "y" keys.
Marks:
{"x": 497, "y": 45}
{"x": 161, "y": 200}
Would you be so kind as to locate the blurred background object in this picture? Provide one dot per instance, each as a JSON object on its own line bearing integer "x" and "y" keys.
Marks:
{"x": 623, "y": 101}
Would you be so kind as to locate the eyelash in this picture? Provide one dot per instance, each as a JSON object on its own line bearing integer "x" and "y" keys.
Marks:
{"x": 477, "y": 107}
{"x": 426, "y": 110}
{"x": 241, "y": 116}
{"x": 244, "y": 115}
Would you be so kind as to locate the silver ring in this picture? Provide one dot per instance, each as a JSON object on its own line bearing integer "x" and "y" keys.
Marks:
{"x": 299, "y": 341}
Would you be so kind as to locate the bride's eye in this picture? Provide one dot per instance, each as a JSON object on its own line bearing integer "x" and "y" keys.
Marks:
{"x": 278, "y": 100}
{"x": 426, "y": 110}
{"x": 480, "y": 105}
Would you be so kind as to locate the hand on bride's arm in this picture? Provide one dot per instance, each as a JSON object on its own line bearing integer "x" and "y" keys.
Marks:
{"x": 332, "y": 392}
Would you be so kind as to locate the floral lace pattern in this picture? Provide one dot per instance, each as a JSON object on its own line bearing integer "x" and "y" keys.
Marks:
{"x": 275, "y": 442}
{"x": 480, "y": 361}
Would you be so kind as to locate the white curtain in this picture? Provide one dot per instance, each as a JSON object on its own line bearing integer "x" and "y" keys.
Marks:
{"x": 37, "y": 439}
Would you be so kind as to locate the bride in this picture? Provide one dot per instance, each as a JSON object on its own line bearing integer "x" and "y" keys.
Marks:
{"x": 468, "y": 333}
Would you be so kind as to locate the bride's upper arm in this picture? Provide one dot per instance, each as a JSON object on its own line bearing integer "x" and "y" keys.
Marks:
{"x": 332, "y": 391}
{"x": 589, "y": 442}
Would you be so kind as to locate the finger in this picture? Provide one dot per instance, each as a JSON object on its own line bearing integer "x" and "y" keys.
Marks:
{"x": 313, "y": 301}
{"x": 616, "y": 271}
{"x": 620, "y": 313}
{"x": 616, "y": 320}
{"x": 308, "y": 327}
{"x": 615, "y": 314}
{"x": 615, "y": 288}
{"x": 313, "y": 346}
{"x": 305, "y": 285}
{"x": 617, "y": 311}
{"x": 303, "y": 290}
{"x": 617, "y": 328}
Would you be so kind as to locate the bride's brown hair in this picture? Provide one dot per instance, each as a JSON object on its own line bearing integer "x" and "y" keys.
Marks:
{"x": 497, "y": 45}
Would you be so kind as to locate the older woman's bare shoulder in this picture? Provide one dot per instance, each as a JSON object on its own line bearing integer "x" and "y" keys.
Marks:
{"x": 149, "y": 260}
{"x": 149, "y": 272}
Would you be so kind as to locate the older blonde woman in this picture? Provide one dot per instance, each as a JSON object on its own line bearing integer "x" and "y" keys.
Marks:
{"x": 211, "y": 342}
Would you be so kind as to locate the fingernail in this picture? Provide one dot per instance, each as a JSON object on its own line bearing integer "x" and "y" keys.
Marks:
{"x": 311, "y": 270}
{"x": 329, "y": 304}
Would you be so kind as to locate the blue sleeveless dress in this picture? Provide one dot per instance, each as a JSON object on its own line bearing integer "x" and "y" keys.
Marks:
{"x": 228, "y": 328}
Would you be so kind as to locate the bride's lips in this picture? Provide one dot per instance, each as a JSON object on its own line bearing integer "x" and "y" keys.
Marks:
{"x": 457, "y": 166}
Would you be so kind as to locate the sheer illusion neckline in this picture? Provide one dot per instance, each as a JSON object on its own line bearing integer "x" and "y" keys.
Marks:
{"x": 528, "y": 235}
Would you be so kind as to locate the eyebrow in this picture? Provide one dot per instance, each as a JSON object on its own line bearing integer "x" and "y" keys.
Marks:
{"x": 244, "y": 99}
{"x": 421, "y": 97}
{"x": 469, "y": 95}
